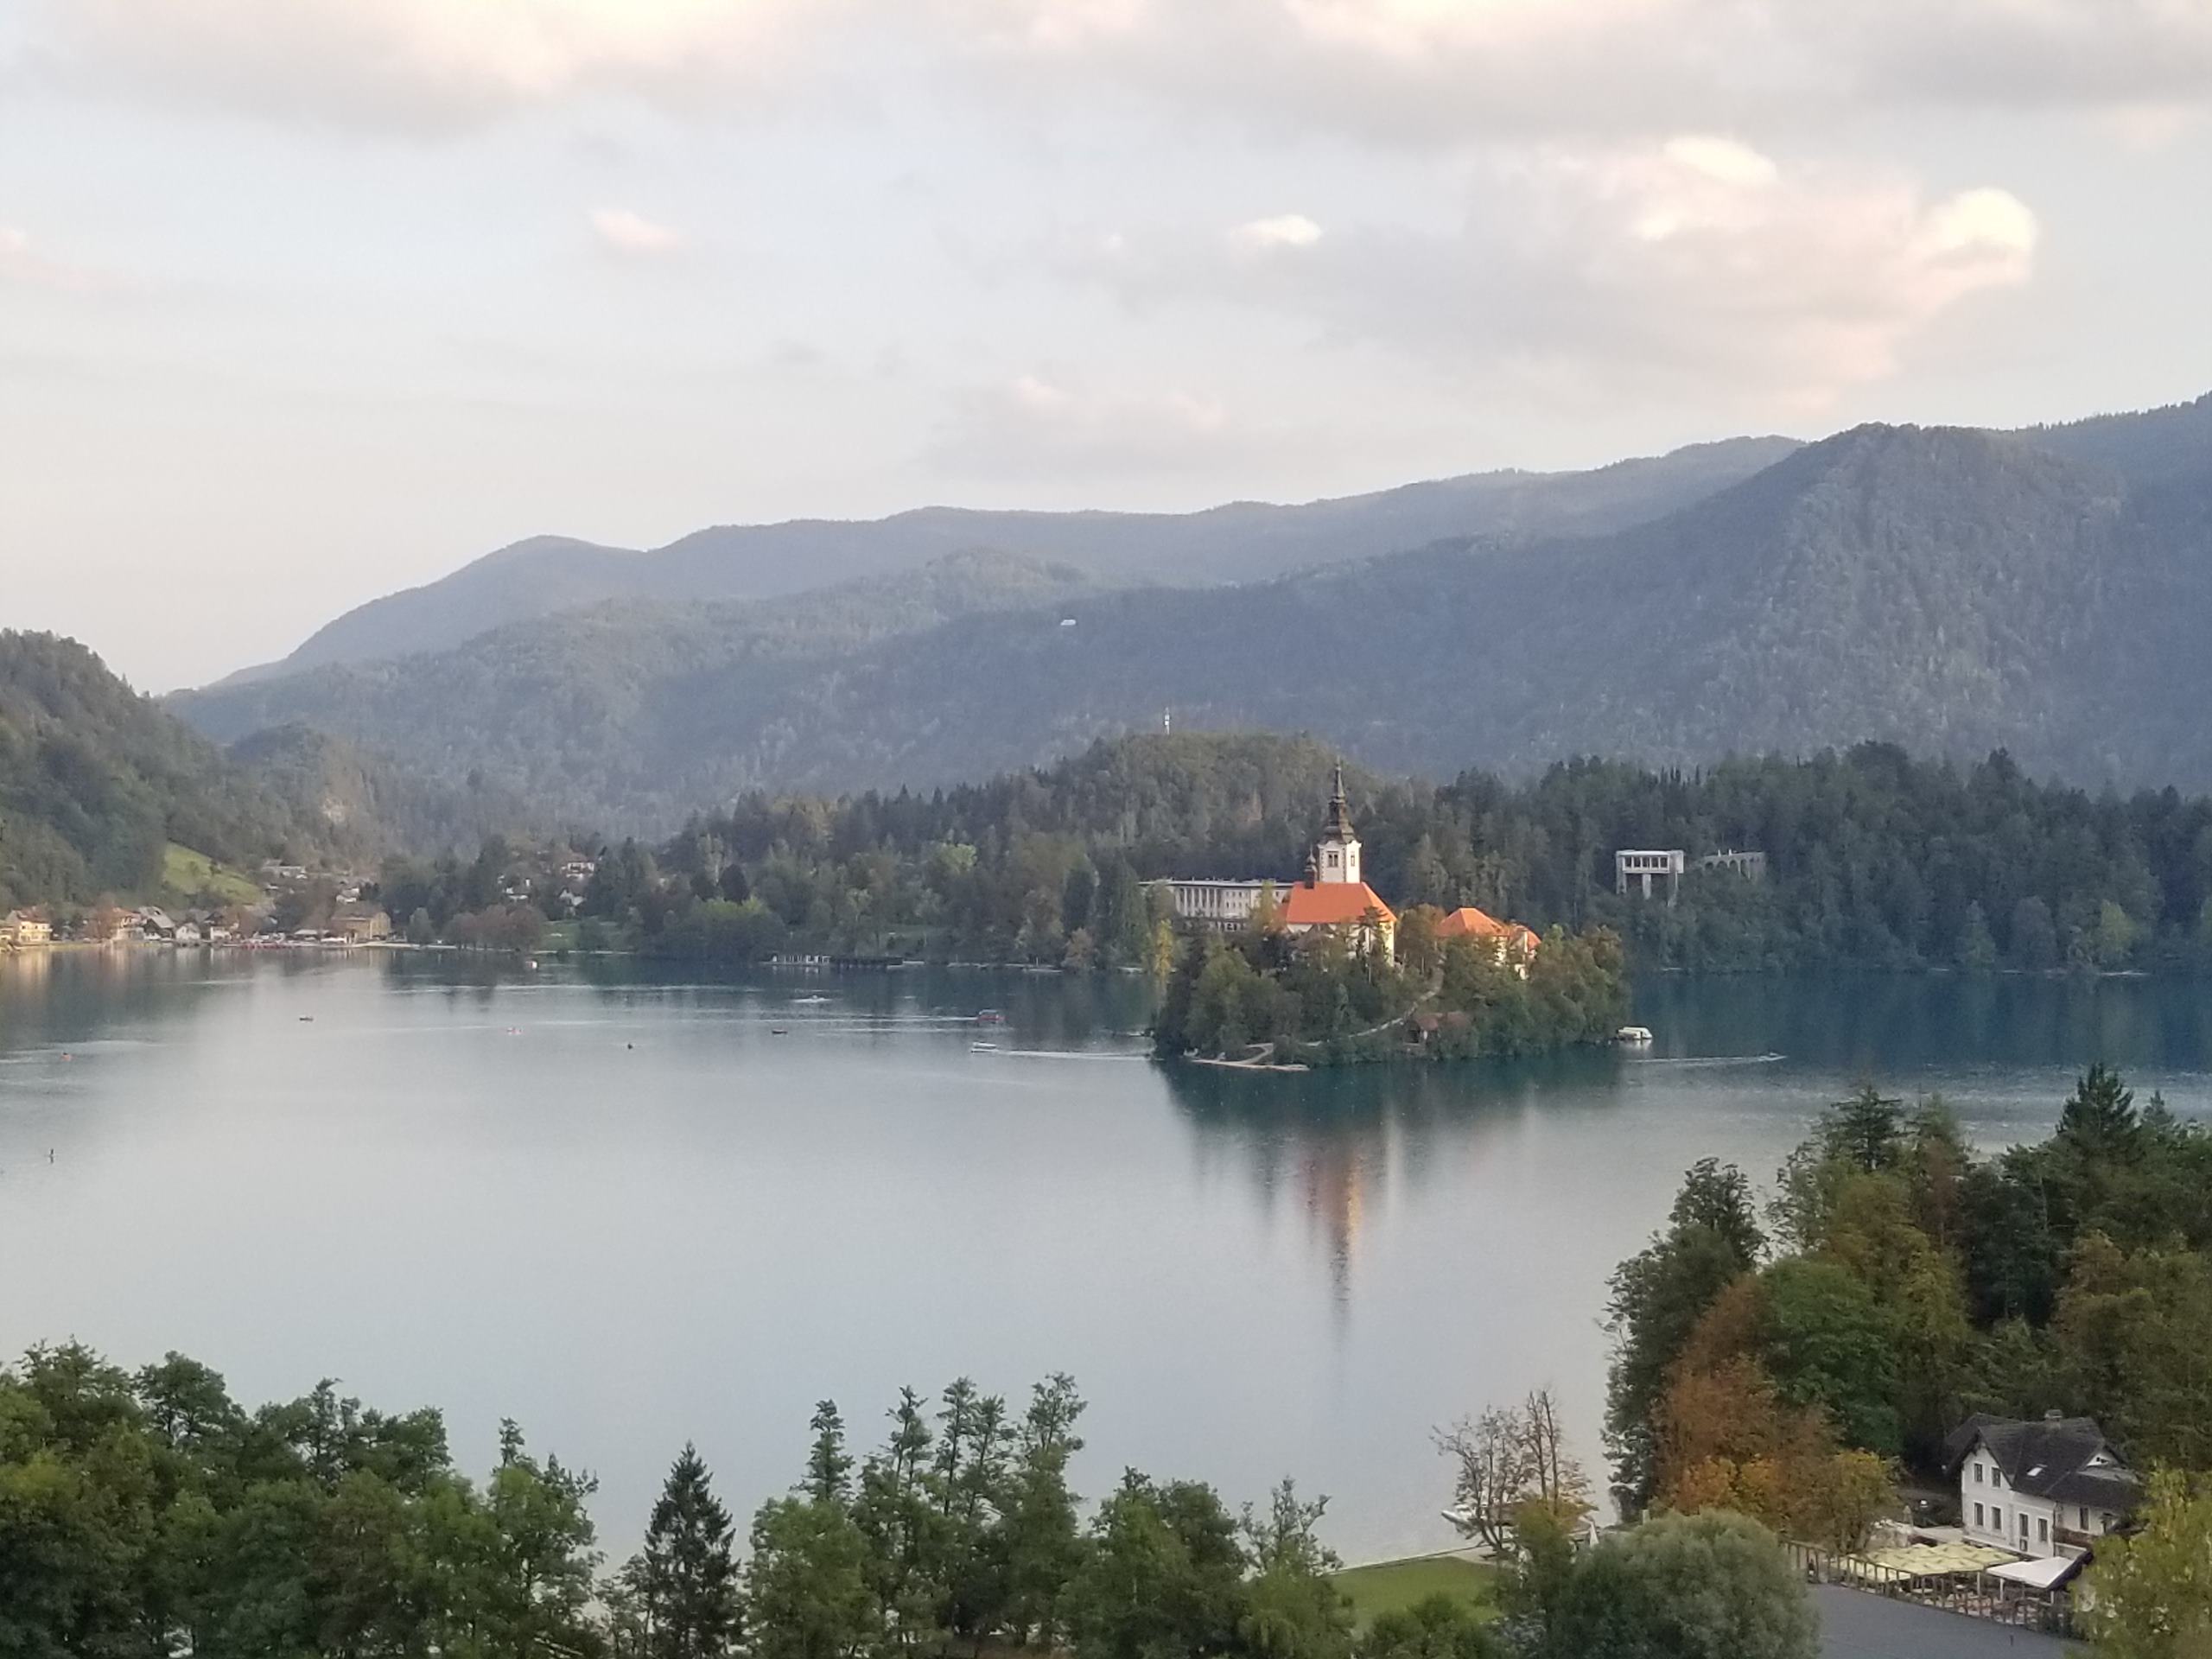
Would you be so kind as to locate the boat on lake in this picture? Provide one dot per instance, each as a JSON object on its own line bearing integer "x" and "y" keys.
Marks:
{"x": 1634, "y": 1036}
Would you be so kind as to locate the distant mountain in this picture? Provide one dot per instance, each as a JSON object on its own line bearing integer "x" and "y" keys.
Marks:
{"x": 582, "y": 715}
{"x": 1953, "y": 590}
{"x": 1242, "y": 542}
{"x": 98, "y": 782}
{"x": 2155, "y": 445}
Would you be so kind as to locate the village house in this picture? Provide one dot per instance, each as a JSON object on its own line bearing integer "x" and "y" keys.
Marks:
{"x": 1511, "y": 941}
{"x": 1333, "y": 893}
{"x": 2041, "y": 1489}
{"x": 360, "y": 925}
{"x": 22, "y": 929}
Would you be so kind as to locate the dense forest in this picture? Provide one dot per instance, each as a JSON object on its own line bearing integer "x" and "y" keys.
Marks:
{"x": 96, "y": 782}
{"x": 1333, "y": 998}
{"x": 149, "y": 1516}
{"x": 1777, "y": 1366}
{"x": 1874, "y": 858}
{"x": 1953, "y": 590}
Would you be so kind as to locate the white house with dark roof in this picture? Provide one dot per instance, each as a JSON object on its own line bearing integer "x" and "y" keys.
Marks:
{"x": 2043, "y": 1488}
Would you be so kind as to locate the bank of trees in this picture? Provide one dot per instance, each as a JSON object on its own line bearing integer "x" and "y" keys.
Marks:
{"x": 1328, "y": 997}
{"x": 1873, "y": 859}
{"x": 1898, "y": 1283}
{"x": 149, "y": 1516}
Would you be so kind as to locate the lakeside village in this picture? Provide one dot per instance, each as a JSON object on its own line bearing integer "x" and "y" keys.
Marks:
{"x": 1321, "y": 970}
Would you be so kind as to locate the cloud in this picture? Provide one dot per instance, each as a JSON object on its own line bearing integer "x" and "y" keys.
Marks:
{"x": 1405, "y": 71}
{"x": 633, "y": 235}
{"x": 24, "y": 263}
{"x": 1695, "y": 263}
{"x": 424, "y": 64}
{"x": 1037, "y": 425}
{"x": 1454, "y": 71}
{"x": 1289, "y": 231}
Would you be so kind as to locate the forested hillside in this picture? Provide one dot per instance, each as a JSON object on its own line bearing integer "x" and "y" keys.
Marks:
{"x": 96, "y": 781}
{"x": 1241, "y": 542}
{"x": 1874, "y": 859}
{"x": 1953, "y": 591}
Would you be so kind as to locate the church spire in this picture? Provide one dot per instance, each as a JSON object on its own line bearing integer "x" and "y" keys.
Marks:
{"x": 1339, "y": 824}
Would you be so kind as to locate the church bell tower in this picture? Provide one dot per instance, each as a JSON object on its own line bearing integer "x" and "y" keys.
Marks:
{"x": 1336, "y": 855}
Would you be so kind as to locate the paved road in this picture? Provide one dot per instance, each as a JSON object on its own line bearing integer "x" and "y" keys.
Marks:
{"x": 1857, "y": 1625}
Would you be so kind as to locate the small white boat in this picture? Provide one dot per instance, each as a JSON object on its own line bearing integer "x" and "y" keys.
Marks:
{"x": 1636, "y": 1036}
{"x": 809, "y": 1001}
{"x": 983, "y": 1048}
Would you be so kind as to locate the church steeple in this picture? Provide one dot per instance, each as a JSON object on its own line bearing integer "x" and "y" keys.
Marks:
{"x": 1336, "y": 855}
{"x": 1339, "y": 825}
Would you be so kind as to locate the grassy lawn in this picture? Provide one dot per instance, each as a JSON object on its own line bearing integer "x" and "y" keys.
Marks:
{"x": 189, "y": 875}
{"x": 1390, "y": 1587}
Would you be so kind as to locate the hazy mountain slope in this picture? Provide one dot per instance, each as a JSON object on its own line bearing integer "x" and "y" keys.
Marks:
{"x": 2153, "y": 446}
{"x": 96, "y": 779}
{"x": 1955, "y": 591}
{"x": 585, "y": 714}
{"x": 1238, "y": 543}
{"x": 362, "y": 807}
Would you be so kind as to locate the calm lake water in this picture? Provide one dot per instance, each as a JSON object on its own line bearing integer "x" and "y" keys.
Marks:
{"x": 627, "y": 1213}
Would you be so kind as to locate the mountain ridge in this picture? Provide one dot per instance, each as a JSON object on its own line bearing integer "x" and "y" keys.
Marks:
{"x": 1235, "y": 541}
{"x": 1954, "y": 589}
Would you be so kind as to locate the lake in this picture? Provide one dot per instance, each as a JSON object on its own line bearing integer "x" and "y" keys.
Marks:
{"x": 627, "y": 1213}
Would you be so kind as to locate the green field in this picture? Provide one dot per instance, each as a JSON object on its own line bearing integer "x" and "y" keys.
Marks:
{"x": 1391, "y": 1587}
{"x": 188, "y": 875}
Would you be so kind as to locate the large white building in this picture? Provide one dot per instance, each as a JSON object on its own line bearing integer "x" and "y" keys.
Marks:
{"x": 2045, "y": 1487}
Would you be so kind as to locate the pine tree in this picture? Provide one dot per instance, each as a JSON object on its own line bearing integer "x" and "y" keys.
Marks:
{"x": 690, "y": 1581}
{"x": 828, "y": 1466}
{"x": 2099, "y": 1118}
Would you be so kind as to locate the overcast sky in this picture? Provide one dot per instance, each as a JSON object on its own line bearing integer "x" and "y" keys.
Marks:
{"x": 304, "y": 301}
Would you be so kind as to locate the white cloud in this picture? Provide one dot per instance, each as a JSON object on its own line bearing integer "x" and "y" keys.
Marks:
{"x": 1424, "y": 71}
{"x": 23, "y": 263}
{"x": 427, "y": 64}
{"x": 1696, "y": 265}
{"x": 1045, "y": 425}
{"x": 1286, "y": 230}
{"x": 625, "y": 232}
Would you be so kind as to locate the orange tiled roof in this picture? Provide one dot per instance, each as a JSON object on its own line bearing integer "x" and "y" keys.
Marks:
{"x": 1470, "y": 923}
{"x": 1331, "y": 903}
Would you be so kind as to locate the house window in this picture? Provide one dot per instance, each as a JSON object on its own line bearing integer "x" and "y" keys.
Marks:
{"x": 2043, "y": 1529}
{"x": 1996, "y": 1519}
{"x": 1977, "y": 1514}
{"x": 1977, "y": 1474}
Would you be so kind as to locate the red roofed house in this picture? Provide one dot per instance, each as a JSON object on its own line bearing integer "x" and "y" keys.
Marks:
{"x": 1509, "y": 939}
{"x": 1333, "y": 895}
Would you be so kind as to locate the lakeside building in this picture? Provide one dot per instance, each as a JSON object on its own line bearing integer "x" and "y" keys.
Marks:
{"x": 20, "y": 930}
{"x": 1334, "y": 892}
{"x": 2045, "y": 1489}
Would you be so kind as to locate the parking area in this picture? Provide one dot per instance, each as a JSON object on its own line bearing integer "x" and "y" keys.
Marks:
{"x": 1858, "y": 1624}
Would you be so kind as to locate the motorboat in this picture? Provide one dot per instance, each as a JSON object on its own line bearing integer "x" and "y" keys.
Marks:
{"x": 1634, "y": 1036}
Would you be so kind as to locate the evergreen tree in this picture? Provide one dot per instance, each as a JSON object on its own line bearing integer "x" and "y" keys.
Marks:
{"x": 690, "y": 1580}
{"x": 828, "y": 1466}
{"x": 2098, "y": 1120}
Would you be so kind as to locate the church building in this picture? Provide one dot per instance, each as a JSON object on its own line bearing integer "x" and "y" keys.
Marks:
{"x": 1333, "y": 893}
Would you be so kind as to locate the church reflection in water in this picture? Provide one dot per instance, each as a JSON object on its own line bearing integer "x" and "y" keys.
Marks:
{"x": 1340, "y": 1147}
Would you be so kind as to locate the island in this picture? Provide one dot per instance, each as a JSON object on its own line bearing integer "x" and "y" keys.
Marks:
{"x": 1324, "y": 972}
